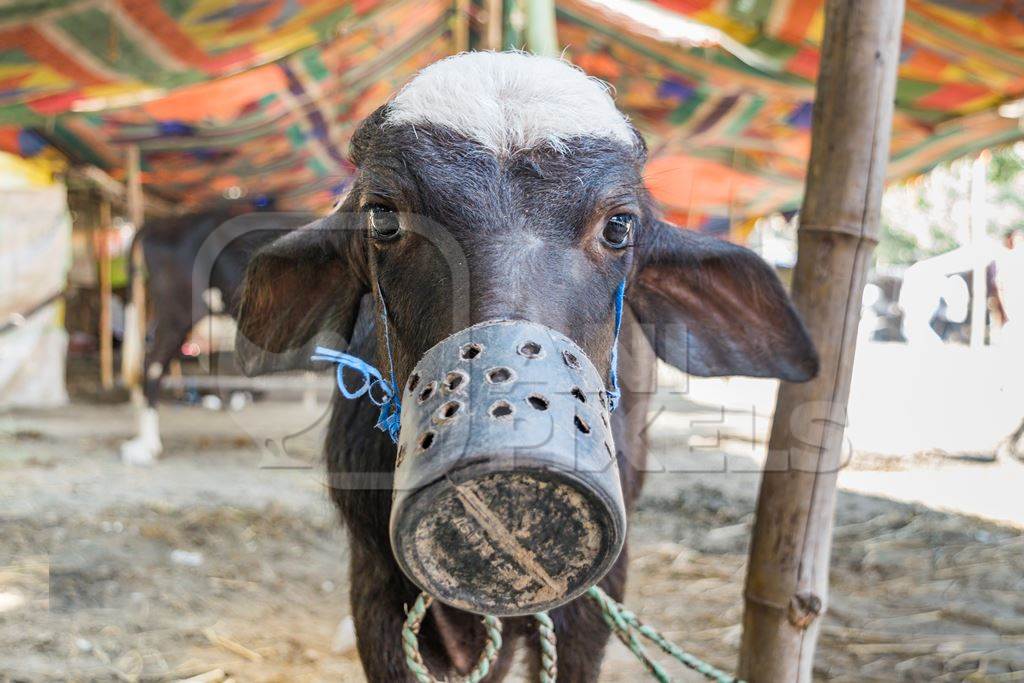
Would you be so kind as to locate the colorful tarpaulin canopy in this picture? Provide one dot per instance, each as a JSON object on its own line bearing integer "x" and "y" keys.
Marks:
{"x": 261, "y": 96}
{"x": 729, "y": 129}
{"x": 222, "y": 97}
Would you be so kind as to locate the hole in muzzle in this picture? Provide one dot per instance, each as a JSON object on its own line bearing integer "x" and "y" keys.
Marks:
{"x": 427, "y": 392}
{"x": 530, "y": 349}
{"x": 500, "y": 375}
{"x": 571, "y": 360}
{"x": 582, "y": 425}
{"x": 454, "y": 380}
{"x": 537, "y": 401}
{"x": 501, "y": 410}
{"x": 427, "y": 440}
{"x": 413, "y": 381}
{"x": 448, "y": 411}
{"x": 578, "y": 394}
{"x": 470, "y": 351}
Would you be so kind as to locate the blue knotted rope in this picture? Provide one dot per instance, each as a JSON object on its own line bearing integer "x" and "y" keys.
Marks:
{"x": 390, "y": 418}
{"x": 390, "y": 408}
{"x": 393, "y": 421}
{"x": 614, "y": 394}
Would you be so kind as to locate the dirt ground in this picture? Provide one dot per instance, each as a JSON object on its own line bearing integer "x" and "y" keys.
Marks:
{"x": 226, "y": 559}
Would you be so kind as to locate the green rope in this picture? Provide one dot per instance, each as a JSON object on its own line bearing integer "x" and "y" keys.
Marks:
{"x": 411, "y": 646}
{"x": 622, "y": 622}
{"x": 548, "y": 648}
{"x": 621, "y": 628}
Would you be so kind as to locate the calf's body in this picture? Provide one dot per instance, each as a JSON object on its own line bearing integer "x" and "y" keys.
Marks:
{"x": 196, "y": 264}
{"x": 501, "y": 187}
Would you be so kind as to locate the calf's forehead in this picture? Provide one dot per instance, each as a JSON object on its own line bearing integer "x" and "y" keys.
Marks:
{"x": 445, "y": 175}
{"x": 509, "y": 102}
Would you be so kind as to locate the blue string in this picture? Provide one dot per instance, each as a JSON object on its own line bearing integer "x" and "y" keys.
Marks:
{"x": 392, "y": 422}
{"x": 390, "y": 408}
{"x": 390, "y": 418}
{"x": 614, "y": 394}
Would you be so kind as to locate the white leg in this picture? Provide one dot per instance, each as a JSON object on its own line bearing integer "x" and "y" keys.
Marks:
{"x": 146, "y": 447}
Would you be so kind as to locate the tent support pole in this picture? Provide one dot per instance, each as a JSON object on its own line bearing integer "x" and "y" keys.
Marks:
{"x": 541, "y": 31}
{"x": 495, "y": 19}
{"x": 787, "y": 582}
{"x": 102, "y": 244}
{"x": 460, "y": 26}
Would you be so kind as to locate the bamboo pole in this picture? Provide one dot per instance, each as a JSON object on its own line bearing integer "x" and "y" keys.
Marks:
{"x": 106, "y": 328}
{"x": 541, "y": 31}
{"x": 495, "y": 18}
{"x": 134, "y": 198}
{"x": 787, "y": 581}
{"x": 133, "y": 349}
{"x": 460, "y": 26}
{"x": 116, "y": 191}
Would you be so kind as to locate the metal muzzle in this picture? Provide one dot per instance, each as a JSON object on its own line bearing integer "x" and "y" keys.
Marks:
{"x": 507, "y": 493}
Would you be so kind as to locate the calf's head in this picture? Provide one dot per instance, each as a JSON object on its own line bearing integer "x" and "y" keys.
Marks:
{"x": 498, "y": 211}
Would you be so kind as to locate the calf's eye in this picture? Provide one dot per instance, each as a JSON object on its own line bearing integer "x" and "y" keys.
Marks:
{"x": 617, "y": 230}
{"x": 384, "y": 225}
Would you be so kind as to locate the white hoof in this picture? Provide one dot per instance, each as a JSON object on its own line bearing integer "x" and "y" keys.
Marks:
{"x": 146, "y": 447}
{"x": 212, "y": 402}
{"x": 344, "y": 640}
{"x": 140, "y": 452}
{"x": 239, "y": 400}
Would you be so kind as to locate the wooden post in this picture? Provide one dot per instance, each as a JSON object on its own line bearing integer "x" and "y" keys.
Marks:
{"x": 460, "y": 26}
{"x": 541, "y": 31}
{"x": 495, "y": 18}
{"x": 176, "y": 377}
{"x": 133, "y": 350}
{"x": 787, "y": 581}
{"x": 106, "y": 329}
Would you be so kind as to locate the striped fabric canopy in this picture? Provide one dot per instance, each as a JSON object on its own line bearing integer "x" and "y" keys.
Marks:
{"x": 261, "y": 96}
{"x": 729, "y": 125}
{"x": 223, "y": 97}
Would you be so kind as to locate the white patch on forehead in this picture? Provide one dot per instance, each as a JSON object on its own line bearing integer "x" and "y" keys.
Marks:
{"x": 510, "y": 101}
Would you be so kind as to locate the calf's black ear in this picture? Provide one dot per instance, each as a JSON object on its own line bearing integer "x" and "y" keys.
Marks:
{"x": 712, "y": 308}
{"x": 300, "y": 291}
